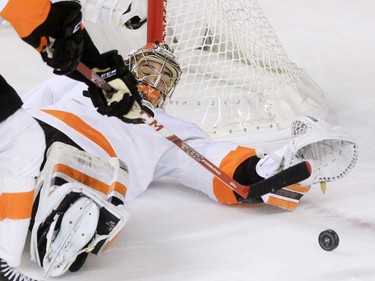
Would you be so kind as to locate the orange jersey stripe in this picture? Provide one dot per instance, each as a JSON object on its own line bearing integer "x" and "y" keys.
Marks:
{"x": 27, "y": 15}
{"x": 16, "y": 206}
{"x": 229, "y": 165}
{"x": 83, "y": 128}
{"x": 90, "y": 181}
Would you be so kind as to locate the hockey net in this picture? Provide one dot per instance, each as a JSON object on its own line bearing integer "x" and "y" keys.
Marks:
{"x": 237, "y": 81}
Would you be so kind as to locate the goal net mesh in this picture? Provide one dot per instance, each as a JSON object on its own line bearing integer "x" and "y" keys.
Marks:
{"x": 237, "y": 81}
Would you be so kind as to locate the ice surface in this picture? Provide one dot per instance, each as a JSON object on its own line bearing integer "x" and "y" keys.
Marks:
{"x": 178, "y": 234}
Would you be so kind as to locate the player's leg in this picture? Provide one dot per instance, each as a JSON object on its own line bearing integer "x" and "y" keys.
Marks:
{"x": 21, "y": 153}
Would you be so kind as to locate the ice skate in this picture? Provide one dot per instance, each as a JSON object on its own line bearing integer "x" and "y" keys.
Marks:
{"x": 8, "y": 273}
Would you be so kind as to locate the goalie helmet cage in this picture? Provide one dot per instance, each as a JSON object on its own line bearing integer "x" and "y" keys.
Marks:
{"x": 237, "y": 82}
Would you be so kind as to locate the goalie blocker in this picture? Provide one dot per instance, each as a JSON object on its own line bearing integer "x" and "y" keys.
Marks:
{"x": 79, "y": 210}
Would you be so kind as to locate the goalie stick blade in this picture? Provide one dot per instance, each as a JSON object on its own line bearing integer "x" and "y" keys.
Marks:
{"x": 290, "y": 176}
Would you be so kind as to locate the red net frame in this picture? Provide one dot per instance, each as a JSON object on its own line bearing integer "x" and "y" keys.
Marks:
{"x": 156, "y": 20}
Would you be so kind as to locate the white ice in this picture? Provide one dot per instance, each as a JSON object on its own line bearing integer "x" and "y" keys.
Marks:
{"x": 179, "y": 234}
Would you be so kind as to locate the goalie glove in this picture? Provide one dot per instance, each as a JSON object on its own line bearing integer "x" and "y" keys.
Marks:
{"x": 124, "y": 101}
{"x": 331, "y": 153}
{"x": 59, "y": 39}
{"x": 65, "y": 47}
{"x": 52, "y": 28}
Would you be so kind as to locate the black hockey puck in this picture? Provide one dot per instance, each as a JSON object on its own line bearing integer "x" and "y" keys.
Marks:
{"x": 328, "y": 240}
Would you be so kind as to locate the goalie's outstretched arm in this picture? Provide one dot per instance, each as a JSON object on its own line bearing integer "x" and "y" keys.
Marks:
{"x": 245, "y": 192}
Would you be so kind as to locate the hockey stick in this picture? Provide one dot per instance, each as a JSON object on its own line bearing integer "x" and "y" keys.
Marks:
{"x": 284, "y": 178}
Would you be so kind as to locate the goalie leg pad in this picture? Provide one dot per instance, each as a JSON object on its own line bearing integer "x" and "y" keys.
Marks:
{"x": 76, "y": 212}
{"x": 70, "y": 221}
{"x": 79, "y": 187}
{"x": 66, "y": 163}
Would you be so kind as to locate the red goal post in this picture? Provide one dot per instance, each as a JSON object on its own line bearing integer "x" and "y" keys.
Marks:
{"x": 156, "y": 20}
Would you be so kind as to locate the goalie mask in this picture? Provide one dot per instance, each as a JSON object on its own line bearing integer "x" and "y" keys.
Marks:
{"x": 157, "y": 72}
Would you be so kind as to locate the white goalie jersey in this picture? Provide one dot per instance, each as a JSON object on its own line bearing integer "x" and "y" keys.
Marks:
{"x": 59, "y": 102}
